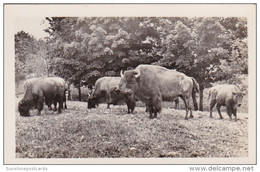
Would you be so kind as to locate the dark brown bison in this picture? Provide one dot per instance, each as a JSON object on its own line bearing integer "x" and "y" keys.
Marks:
{"x": 39, "y": 91}
{"x": 153, "y": 84}
{"x": 105, "y": 91}
{"x": 60, "y": 81}
{"x": 225, "y": 95}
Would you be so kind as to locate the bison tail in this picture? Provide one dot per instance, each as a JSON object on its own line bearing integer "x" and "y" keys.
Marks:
{"x": 209, "y": 94}
{"x": 196, "y": 87}
{"x": 64, "y": 99}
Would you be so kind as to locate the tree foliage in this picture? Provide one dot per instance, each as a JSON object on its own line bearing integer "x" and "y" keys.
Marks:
{"x": 30, "y": 56}
{"x": 210, "y": 49}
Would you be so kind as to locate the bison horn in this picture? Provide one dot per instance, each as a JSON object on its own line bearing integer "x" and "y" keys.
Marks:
{"x": 137, "y": 75}
{"x": 121, "y": 74}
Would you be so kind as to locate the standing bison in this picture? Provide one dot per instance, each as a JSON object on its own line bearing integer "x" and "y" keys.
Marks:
{"x": 153, "y": 84}
{"x": 105, "y": 91}
{"x": 37, "y": 92}
{"x": 225, "y": 95}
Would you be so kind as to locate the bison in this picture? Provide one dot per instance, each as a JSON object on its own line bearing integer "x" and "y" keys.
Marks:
{"x": 38, "y": 91}
{"x": 62, "y": 84}
{"x": 153, "y": 84}
{"x": 225, "y": 95}
{"x": 105, "y": 91}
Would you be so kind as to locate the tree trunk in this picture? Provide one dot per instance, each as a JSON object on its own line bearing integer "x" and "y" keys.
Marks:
{"x": 195, "y": 104}
{"x": 201, "y": 98}
{"x": 47, "y": 66}
{"x": 69, "y": 92}
{"x": 79, "y": 93}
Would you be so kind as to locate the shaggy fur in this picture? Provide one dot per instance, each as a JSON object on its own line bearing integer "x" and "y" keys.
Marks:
{"x": 37, "y": 92}
{"x": 225, "y": 95}
{"x": 153, "y": 84}
{"x": 105, "y": 91}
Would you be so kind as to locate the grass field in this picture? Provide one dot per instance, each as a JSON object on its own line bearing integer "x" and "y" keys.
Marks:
{"x": 83, "y": 133}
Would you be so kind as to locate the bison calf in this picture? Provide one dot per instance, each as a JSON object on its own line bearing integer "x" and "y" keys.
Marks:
{"x": 225, "y": 95}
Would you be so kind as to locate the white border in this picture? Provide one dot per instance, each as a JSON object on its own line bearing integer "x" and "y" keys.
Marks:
{"x": 129, "y": 10}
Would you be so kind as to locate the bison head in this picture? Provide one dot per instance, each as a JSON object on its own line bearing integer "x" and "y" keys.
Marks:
{"x": 114, "y": 96}
{"x": 129, "y": 82}
{"x": 92, "y": 102}
{"x": 24, "y": 107}
{"x": 238, "y": 97}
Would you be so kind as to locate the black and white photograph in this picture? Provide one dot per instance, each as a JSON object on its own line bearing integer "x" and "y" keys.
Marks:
{"x": 95, "y": 88}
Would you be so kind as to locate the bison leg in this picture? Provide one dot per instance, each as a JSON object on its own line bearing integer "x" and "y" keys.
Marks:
{"x": 132, "y": 109}
{"x": 64, "y": 100}
{"x": 128, "y": 108}
{"x": 185, "y": 103}
{"x": 131, "y": 106}
{"x": 150, "y": 108}
{"x": 48, "y": 103}
{"x": 229, "y": 112}
{"x": 187, "y": 107}
{"x": 218, "y": 109}
{"x": 60, "y": 101}
{"x": 60, "y": 106}
{"x": 65, "y": 104}
{"x": 55, "y": 105}
{"x": 190, "y": 109}
{"x": 235, "y": 113}
{"x": 108, "y": 106}
{"x": 176, "y": 103}
{"x": 212, "y": 104}
{"x": 40, "y": 103}
{"x": 155, "y": 114}
{"x": 157, "y": 105}
{"x": 146, "y": 108}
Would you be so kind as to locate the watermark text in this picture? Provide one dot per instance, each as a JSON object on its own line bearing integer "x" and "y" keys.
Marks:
{"x": 222, "y": 168}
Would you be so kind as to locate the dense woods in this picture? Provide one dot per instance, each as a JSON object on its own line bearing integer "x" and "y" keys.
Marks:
{"x": 81, "y": 50}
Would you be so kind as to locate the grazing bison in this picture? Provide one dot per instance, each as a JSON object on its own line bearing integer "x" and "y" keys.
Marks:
{"x": 153, "y": 84}
{"x": 225, "y": 95}
{"x": 105, "y": 91}
{"x": 37, "y": 92}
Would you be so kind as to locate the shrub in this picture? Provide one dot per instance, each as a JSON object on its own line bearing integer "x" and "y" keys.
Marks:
{"x": 84, "y": 94}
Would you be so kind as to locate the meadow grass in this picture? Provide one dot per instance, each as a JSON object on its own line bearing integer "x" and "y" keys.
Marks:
{"x": 86, "y": 133}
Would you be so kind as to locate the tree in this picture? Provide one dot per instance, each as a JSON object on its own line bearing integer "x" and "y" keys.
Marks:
{"x": 96, "y": 47}
{"x": 208, "y": 49}
{"x": 198, "y": 50}
{"x": 30, "y": 56}
{"x": 24, "y": 46}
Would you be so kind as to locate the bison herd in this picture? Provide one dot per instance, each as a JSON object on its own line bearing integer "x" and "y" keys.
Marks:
{"x": 150, "y": 84}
